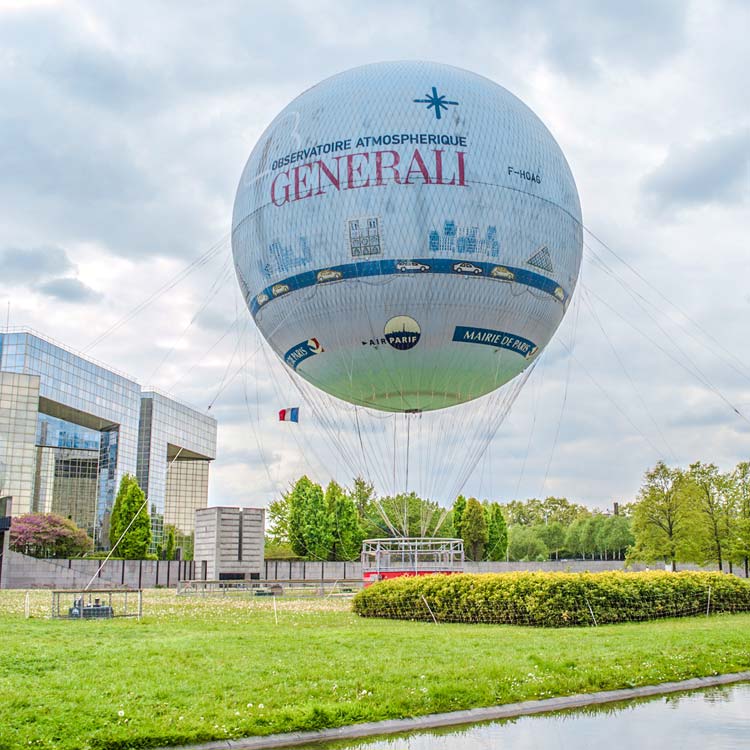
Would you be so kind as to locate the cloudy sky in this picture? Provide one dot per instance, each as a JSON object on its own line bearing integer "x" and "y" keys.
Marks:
{"x": 124, "y": 128}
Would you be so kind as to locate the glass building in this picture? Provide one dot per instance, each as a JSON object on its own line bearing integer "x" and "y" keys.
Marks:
{"x": 70, "y": 428}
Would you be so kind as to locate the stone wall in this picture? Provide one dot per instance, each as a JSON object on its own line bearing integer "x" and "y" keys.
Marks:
{"x": 24, "y": 572}
{"x": 286, "y": 570}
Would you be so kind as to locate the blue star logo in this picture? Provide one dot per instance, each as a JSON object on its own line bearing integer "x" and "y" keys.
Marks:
{"x": 435, "y": 102}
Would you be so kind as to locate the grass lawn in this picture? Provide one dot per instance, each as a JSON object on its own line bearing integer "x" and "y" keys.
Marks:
{"x": 200, "y": 669}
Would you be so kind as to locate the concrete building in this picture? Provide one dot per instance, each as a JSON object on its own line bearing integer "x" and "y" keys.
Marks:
{"x": 70, "y": 428}
{"x": 230, "y": 540}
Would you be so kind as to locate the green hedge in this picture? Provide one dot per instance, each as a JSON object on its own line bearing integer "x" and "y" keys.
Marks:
{"x": 554, "y": 599}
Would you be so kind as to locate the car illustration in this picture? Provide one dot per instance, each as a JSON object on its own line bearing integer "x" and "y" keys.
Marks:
{"x": 406, "y": 266}
{"x": 329, "y": 274}
{"x": 559, "y": 293}
{"x": 502, "y": 273}
{"x": 466, "y": 267}
{"x": 278, "y": 289}
{"x": 262, "y": 298}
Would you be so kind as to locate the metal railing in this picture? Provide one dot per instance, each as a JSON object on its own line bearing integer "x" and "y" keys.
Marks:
{"x": 412, "y": 554}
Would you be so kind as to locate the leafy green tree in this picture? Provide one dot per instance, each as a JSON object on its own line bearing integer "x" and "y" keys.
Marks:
{"x": 318, "y": 534}
{"x": 715, "y": 502}
{"x": 309, "y": 524}
{"x": 346, "y": 530}
{"x": 524, "y": 544}
{"x": 591, "y": 534}
{"x": 459, "y": 506}
{"x": 617, "y": 536}
{"x": 497, "y": 533}
{"x": 664, "y": 519}
{"x": 561, "y": 510}
{"x": 574, "y": 537}
{"x": 116, "y": 526}
{"x": 474, "y": 529}
{"x": 362, "y": 495}
{"x": 740, "y": 536}
{"x": 553, "y": 536}
{"x": 135, "y": 523}
{"x": 278, "y": 520}
{"x": 534, "y": 512}
{"x": 169, "y": 546}
{"x": 295, "y": 513}
{"x": 524, "y": 512}
{"x": 274, "y": 550}
{"x": 407, "y": 514}
{"x": 186, "y": 544}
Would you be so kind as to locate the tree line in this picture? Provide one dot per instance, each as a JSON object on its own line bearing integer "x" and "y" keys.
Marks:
{"x": 331, "y": 523}
{"x": 694, "y": 515}
{"x": 698, "y": 514}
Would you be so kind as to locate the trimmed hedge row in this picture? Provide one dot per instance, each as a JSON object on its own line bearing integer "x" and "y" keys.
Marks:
{"x": 553, "y": 599}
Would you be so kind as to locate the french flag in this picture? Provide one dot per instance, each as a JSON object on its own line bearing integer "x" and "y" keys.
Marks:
{"x": 289, "y": 415}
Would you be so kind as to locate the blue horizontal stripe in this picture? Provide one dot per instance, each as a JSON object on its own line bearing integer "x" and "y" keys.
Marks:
{"x": 498, "y": 339}
{"x": 415, "y": 267}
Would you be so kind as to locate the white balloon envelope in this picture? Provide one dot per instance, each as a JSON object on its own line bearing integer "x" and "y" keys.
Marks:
{"x": 407, "y": 236}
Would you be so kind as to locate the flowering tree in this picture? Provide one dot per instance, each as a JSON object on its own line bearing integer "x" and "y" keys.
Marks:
{"x": 48, "y": 535}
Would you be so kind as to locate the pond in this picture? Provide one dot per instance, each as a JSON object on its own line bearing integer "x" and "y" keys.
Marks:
{"x": 711, "y": 719}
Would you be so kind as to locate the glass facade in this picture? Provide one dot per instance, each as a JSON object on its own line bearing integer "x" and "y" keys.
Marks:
{"x": 19, "y": 399}
{"x": 187, "y": 490}
{"x": 172, "y": 434}
{"x": 70, "y": 428}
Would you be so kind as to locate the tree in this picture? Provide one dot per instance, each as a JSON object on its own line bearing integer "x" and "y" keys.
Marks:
{"x": 664, "y": 521}
{"x": 169, "y": 546}
{"x": 740, "y": 489}
{"x": 296, "y": 507}
{"x": 134, "y": 522}
{"x": 553, "y": 536}
{"x": 525, "y": 544}
{"x": 497, "y": 533}
{"x": 617, "y": 536}
{"x": 278, "y": 521}
{"x": 711, "y": 490}
{"x": 533, "y": 512}
{"x": 362, "y": 495}
{"x": 116, "y": 526}
{"x": 406, "y": 514}
{"x": 318, "y": 535}
{"x": 474, "y": 529}
{"x": 309, "y": 525}
{"x": 48, "y": 535}
{"x": 574, "y": 539}
{"x": 561, "y": 510}
{"x": 459, "y": 506}
{"x": 273, "y": 550}
{"x": 345, "y": 527}
{"x": 186, "y": 544}
{"x": 524, "y": 512}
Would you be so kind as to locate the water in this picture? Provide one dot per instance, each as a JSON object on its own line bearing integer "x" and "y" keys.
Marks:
{"x": 712, "y": 719}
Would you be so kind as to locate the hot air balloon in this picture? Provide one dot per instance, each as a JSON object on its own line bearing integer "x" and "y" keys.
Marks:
{"x": 407, "y": 236}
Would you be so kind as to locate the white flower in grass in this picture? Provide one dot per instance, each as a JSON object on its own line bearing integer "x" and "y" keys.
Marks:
{"x": 121, "y": 713}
